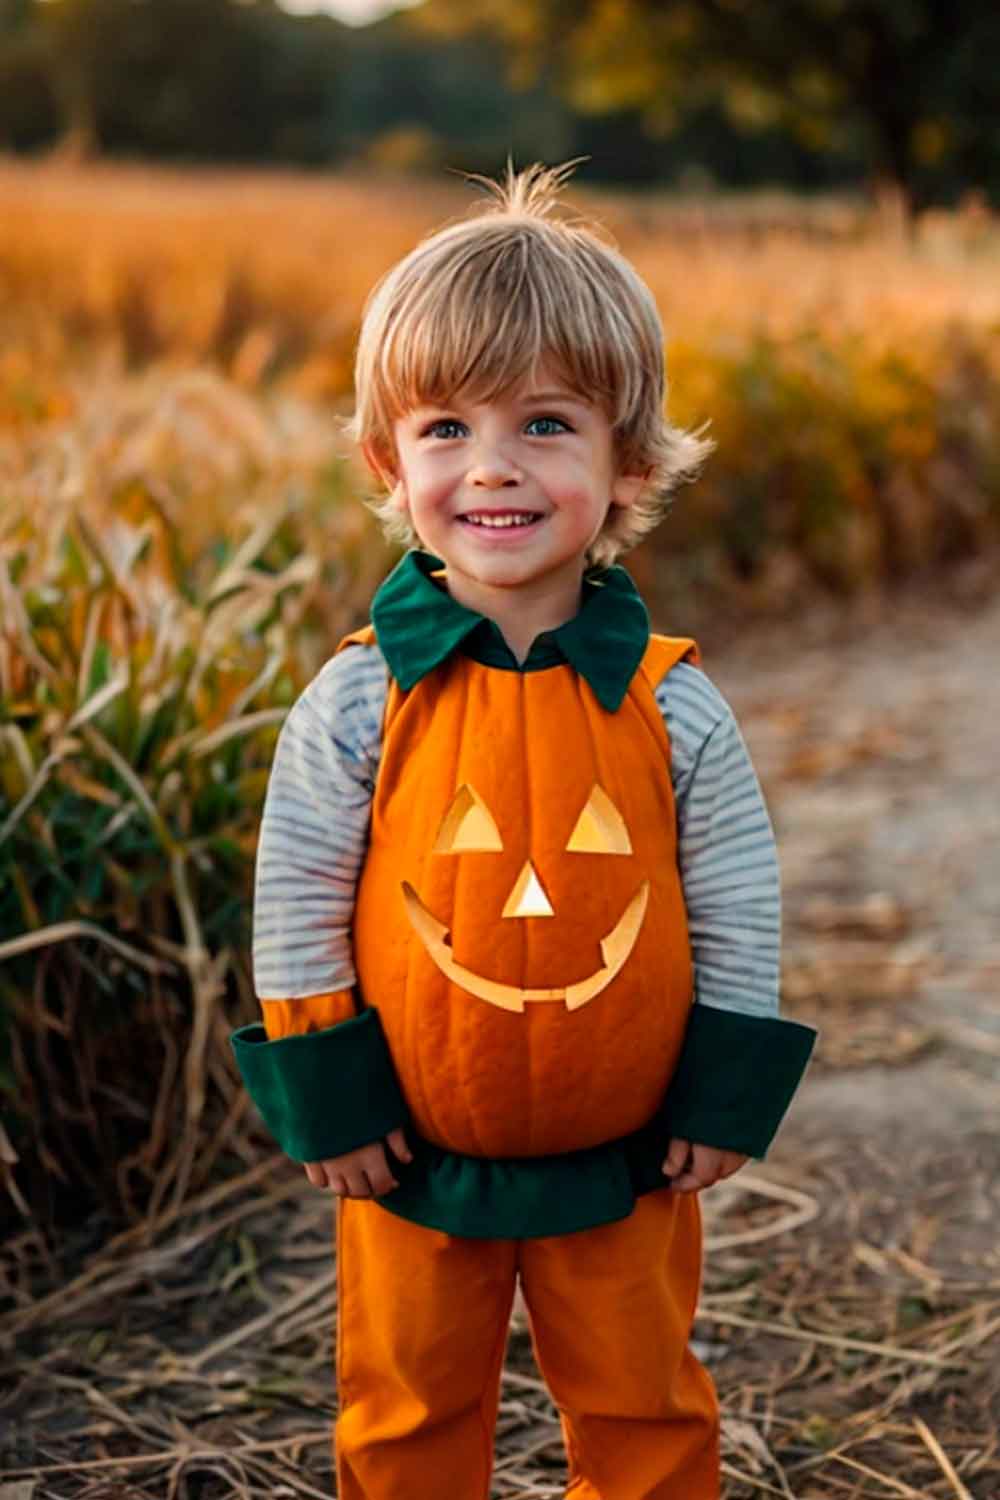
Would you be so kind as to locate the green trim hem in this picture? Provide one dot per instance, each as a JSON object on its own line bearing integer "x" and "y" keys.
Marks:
{"x": 325, "y": 1092}
{"x": 513, "y": 1198}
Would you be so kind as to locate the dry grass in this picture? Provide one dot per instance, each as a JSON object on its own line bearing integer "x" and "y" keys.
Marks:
{"x": 850, "y": 1318}
{"x": 200, "y": 258}
{"x": 173, "y": 569}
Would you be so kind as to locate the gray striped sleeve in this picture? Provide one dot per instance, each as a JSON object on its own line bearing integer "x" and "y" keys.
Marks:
{"x": 726, "y": 849}
{"x": 314, "y": 829}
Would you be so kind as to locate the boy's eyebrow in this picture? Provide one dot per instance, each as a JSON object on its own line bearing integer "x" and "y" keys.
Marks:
{"x": 529, "y": 398}
{"x": 569, "y": 396}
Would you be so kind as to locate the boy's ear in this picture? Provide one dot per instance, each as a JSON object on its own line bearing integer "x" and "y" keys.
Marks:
{"x": 381, "y": 463}
{"x": 627, "y": 488}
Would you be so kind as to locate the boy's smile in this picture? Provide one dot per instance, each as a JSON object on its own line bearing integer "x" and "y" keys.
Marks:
{"x": 510, "y": 493}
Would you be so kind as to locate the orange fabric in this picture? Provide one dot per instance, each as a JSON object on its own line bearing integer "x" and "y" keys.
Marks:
{"x": 483, "y": 1080}
{"x": 309, "y": 1013}
{"x": 664, "y": 652}
{"x": 365, "y": 636}
{"x": 422, "y": 1330}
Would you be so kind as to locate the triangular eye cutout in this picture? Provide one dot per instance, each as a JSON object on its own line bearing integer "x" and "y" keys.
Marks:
{"x": 468, "y": 826}
{"x": 600, "y": 828}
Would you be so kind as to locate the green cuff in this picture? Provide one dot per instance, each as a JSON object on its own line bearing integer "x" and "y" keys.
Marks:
{"x": 735, "y": 1079}
{"x": 326, "y": 1092}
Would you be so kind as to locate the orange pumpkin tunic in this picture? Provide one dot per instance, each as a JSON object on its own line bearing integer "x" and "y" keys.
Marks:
{"x": 523, "y": 1003}
{"x": 520, "y": 1035}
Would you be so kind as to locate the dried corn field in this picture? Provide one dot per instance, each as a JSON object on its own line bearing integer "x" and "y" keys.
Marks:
{"x": 181, "y": 543}
{"x": 850, "y": 379}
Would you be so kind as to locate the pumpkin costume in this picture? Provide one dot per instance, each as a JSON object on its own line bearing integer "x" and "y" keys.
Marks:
{"x": 523, "y": 1005}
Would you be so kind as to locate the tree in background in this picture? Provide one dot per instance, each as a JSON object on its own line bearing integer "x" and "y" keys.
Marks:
{"x": 28, "y": 107}
{"x": 911, "y": 83}
{"x": 809, "y": 93}
{"x": 222, "y": 79}
{"x": 80, "y": 38}
{"x": 226, "y": 80}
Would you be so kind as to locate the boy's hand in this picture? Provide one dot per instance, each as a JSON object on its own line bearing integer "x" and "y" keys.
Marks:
{"x": 694, "y": 1167}
{"x": 364, "y": 1173}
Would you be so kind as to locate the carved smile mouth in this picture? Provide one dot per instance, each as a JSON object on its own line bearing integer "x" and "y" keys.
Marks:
{"x": 615, "y": 949}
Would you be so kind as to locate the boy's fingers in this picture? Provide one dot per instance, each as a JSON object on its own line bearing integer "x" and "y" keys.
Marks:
{"x": 686, "y": 1184}
{"x": 332, "y": 1179}
{"x": 701, "y": 1171}
{"x": 377, "y": 1172}
{"x": 397, "y": 1145}
{"x": 360, "y": 1174}
{"x": 676, "y": 1158}
{"x": 382, "y": 1182}
{"x": 706, "y": 1164}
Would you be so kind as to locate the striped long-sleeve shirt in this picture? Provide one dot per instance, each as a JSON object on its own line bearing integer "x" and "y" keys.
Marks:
{"x": 316, "y": 815}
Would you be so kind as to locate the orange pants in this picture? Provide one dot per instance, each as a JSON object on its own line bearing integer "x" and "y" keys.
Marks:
{"x": 422, "y": 1331}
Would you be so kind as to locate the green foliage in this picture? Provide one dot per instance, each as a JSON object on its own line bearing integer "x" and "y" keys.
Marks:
{"x": 907, "y": 83}
{"x": 143, "y": 685}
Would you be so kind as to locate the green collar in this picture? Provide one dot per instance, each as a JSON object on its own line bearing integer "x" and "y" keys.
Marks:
{"x": 417, "y": 624}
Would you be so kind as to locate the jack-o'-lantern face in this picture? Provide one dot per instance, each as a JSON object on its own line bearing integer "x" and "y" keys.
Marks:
{"x": 469, "y": 827}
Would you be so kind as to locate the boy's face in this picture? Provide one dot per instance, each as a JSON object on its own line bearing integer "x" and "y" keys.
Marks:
{"x": 510, "y": 493}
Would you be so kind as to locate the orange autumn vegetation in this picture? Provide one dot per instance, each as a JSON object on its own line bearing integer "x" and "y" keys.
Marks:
{"x": 851, "y": 380}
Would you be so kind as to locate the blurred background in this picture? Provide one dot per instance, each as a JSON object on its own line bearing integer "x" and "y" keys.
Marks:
{"x": 195, "y": 198}
{"x": 814, "y": 95}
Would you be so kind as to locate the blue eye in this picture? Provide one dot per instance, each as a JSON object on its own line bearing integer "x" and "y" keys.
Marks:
{"x": 546, "y": 426}
{"x": 444, "y": 428}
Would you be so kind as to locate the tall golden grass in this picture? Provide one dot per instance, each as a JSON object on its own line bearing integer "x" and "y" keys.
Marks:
{"x": 182, "y": 543}
{"x": 193, "y": 264}
{"x": 850, "y": 377}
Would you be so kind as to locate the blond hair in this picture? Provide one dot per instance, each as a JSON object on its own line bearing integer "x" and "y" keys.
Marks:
{"x": 476, "y": 306}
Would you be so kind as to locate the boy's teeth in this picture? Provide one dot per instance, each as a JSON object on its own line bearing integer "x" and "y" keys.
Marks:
{"x": 480, "y": 519}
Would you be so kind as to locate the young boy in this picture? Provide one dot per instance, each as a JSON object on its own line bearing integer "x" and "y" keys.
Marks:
{"x": 517, "y": 916}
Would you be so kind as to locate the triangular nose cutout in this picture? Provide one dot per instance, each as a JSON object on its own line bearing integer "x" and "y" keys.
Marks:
{"x": 527, "y": 899}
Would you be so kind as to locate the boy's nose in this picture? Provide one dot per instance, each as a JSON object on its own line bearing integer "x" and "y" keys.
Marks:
{"x": 493, "y": 472}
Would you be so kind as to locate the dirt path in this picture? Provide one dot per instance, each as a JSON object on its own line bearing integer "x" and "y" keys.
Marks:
{"x": 881, "y": 762}
{"x": 880, "y": 757}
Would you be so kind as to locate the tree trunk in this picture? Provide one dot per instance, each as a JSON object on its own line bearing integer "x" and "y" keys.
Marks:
{"x": 77, "y": 144}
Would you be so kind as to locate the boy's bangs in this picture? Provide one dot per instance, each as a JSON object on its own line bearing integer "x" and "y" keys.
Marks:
{"x": 433, "y": 362}
{"x": 485, "y": 329}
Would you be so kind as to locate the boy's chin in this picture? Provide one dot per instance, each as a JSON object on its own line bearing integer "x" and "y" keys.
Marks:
{"x": 509, "y": 573}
